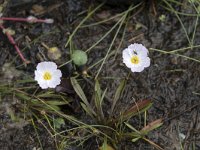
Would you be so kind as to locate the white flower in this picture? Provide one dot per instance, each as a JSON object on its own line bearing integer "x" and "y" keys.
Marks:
{"x": 47, "y": 75}
{"x": 136, "y": 57}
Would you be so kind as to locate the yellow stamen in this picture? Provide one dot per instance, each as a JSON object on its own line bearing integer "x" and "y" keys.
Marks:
{"x": 135, "y": 60}
{"x": 47, "y": 76}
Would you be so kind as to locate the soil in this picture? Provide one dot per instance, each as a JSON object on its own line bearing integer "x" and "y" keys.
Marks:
{"x": 171, "y": 82}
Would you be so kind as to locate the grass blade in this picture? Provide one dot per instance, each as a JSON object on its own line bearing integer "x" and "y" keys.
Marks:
{"x": 118, "y": 93}
{"x": 81, "y": 94}
{"x": 99, "y": 99}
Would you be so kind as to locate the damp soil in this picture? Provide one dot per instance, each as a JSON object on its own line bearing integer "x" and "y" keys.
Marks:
{"x": 171, "y": 82}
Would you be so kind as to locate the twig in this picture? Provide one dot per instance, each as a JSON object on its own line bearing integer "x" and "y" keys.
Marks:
{"x": 29, "y": 19}
{"x": 12, "y": 41}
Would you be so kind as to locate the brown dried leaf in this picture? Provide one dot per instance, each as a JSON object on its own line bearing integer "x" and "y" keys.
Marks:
{"x": 139, "y": 106}
{"x": 153, "y": 125}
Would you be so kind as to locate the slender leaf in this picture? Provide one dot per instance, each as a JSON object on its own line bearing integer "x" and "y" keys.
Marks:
{"x": 132, "y": 128}
{"x": 118, "y": 94}
{"x": 99, "y": 98}
{"x": 102, "y": 96}
{"x": 57, "y": 102}
{"x": 92, "y": 114}
{"x": 135, "y": 139}
{"x": 79, "y": 90}
{"x": 97, "y": 89}
{"x": 82, "y": 96}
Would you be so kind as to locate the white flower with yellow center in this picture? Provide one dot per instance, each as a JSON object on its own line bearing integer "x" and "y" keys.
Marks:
{"x": 47, "y": 75}
{"x": 136, "y": 57}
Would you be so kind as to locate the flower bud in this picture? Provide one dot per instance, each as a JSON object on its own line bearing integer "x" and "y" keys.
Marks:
{"x": 49, "y": 20}
{"x": 54, "y": 53}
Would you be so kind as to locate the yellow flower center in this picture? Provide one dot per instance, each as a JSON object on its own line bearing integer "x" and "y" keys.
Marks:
{"x": 135, "y": 60}
{"x": 47, "y": 76}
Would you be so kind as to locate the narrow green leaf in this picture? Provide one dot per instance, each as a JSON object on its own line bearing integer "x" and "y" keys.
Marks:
{"x": 23, "y": 96}
{"x": 118, "y": 94}
{"x": 48, "y": 95}
{"x": 99, "y": 98}
{"x": 97, "y": 89}
{"x": 103, "y": 95}
{"x": 135, "y": 139}
{"x": 49, "y": 108}
{"x": 132, "y": 128}
{"x": 88, "y": 110}
{"x": 79, "y": 90}
{"x": 26, "y": 81}
{"x": 136, "y": 134}
{"x": 57, "y": 102}
{"x": 82, "y": 96}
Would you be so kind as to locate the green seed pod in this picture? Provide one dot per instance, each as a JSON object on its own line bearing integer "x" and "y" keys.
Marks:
{"x": 79, "y": 57}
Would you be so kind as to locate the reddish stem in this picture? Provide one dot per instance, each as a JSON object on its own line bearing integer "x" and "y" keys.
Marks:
{"x": 34, "y": 20}
{"x": 13, "y": 19}
{"x": 12, "y": 41}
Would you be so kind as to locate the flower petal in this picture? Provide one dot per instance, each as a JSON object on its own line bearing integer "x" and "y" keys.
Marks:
{"x": 137, "y": 69}
{"x": 138, "y": 48}
{"x": 38, "y": 75}
{"x": 53, "y": 83}
{"x": 126, "y": 54}
{"x": 42, "y": 83}
{"x": 46, "y": 65}
{"x": 127, "y": 63}
{"x": 51, "y": 66}
{"x": 57, "y": 74}
{"x": 146, "y": 62}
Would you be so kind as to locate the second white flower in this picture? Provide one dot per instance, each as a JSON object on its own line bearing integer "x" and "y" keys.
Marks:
{"x": 136, "y": 57}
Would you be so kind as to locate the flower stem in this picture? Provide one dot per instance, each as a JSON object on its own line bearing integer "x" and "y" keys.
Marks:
{"x": 12, "y": 41}
{"x": 28, "y": 19}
